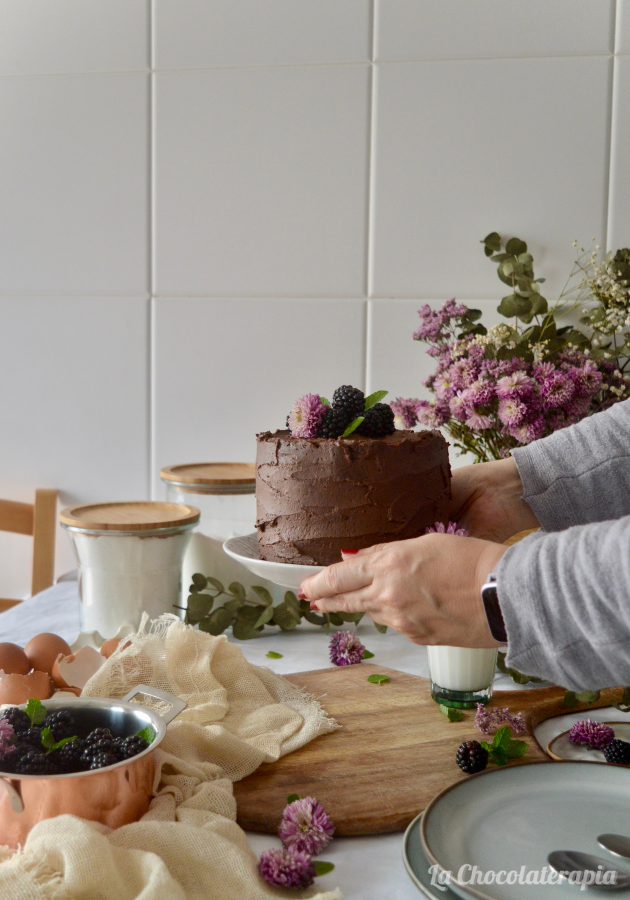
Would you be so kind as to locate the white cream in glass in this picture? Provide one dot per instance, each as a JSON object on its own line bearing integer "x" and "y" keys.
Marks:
{"x": 130, "y": 558}
{"x": 461, "y": 676}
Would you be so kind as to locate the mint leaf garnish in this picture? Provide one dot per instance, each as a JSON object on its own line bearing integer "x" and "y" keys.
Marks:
{"x": 36, "y": 711}
{"x": 504, "y": 747}
{"x": 367, "y": 654}
{"x": 324, "y": 401}
{"x": 322, "y": 868}
{"x": 378, "y": 679}
{"x": 147, "y": 734}
{"x": 292, "y": 798}
{"x": 49, "y": 743}
{"x": 353, "y": 426}
{"x": 273, "y": 655}
{"x": 374, "y": 398}
{"x": 453, "y": 715}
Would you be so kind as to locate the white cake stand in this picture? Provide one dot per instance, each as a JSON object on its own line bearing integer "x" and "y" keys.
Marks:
{"x": 245, "y": 551}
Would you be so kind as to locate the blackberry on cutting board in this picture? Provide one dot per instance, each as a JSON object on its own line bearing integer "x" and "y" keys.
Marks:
{"x": 16, "y": 718}
{"x": 61, "y": 724}
{"x": 350, "y": 399}
{"x": 334, "y": 422}
{"x": 618, "y": 752}
{"x": 471, "y": 757}
{"x": 378, "y": 422}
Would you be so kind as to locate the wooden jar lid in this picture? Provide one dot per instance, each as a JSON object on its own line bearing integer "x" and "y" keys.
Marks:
{"x": 213, "y": 478}
{"x": 139, "y": 515}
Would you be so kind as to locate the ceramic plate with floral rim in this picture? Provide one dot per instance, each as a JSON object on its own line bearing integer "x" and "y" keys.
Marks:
{"x": 561, "y": 747}
{"x": 245, "y": 550}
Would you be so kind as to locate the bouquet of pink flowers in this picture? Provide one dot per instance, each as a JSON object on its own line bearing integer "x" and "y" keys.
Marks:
{"x": 499, "y": 388}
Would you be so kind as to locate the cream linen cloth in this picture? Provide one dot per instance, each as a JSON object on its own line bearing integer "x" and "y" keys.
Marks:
{"x": 188, "y": 845}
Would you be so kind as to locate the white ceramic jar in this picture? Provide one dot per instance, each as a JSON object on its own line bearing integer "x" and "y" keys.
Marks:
{"x": 225, "y": 495}
{"x": 130, "y": 558}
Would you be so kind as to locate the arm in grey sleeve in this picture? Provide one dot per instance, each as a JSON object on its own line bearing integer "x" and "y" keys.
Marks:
{"x": 579, "y": 474}
{"x": 565, "y": 599}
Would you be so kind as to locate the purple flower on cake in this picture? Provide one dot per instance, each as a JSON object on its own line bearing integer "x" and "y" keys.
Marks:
{"x": 6, "y": 735}
{"x": 346, "y": 649}
{"x": 451, "y": 528}
{"x": 306, "y": 415}
{"x": 306, "y": 826}
{"x": 490, "y": 720}
{"x": 287, "y": 868}
{"x": 594, "y": 735}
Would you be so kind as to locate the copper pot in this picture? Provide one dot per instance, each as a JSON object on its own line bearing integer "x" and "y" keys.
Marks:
{"x": 114, "y": 795}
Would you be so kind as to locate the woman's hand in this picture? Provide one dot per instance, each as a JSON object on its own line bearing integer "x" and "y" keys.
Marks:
{"x": 427, "y": 588}
{"x": 487, "y": 501}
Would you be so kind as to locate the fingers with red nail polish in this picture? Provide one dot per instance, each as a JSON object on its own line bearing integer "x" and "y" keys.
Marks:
{"x": 314, "y": 605}
{"x": 349, "y": 552}
{"x": 301, "y": 594}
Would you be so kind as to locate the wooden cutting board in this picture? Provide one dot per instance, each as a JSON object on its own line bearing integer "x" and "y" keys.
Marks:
{"x": 394, "y": 752}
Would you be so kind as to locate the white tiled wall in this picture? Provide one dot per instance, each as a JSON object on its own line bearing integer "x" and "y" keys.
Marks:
{"x": 209, "y": 208}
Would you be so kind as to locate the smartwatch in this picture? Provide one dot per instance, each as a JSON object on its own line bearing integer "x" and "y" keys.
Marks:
{"x": 493, "y": 610}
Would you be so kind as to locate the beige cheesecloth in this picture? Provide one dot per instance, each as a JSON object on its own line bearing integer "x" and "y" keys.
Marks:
{"x": 188, "y": 845}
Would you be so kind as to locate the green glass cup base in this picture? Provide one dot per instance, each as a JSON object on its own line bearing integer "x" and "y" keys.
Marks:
{"x": 460, "y": 699}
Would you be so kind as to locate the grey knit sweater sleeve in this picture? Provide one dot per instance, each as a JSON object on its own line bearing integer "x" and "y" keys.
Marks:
{"x": 565, "y": 593}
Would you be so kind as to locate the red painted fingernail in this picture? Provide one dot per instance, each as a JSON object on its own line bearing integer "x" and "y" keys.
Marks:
{"x": 301, "y": 594}
{"x": 350, "y": 551}
{"x": 314, "y": 604}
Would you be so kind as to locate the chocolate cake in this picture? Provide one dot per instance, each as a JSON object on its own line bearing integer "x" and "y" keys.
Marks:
{"x": 317, "y": 496}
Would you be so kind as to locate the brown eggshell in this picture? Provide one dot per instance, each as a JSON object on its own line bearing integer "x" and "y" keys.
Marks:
{"x": 43, "y": 650}
{"x": 16, "y": 689}
{"x": 109, "y": 646}
{"x": 73, "y": 672}
{"x": 13, "y": 659}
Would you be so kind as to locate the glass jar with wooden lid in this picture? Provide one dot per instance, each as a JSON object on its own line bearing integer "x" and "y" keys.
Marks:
{"x": 225, "y": 494}
{"x": 130, "y": 559}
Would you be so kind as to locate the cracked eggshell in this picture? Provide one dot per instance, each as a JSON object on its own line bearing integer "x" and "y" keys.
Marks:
{"x": 72, "y": 673}
{"x": 17, "y": 689}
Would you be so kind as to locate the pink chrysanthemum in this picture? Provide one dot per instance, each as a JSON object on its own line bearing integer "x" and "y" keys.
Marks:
{"x": 306, "y": 826}
{"x": 528, "y": 431}
{"x": 490, "y": 720}
{"x": 405, "y": 415}
{"x": 286, "y": 868}
{"x": 512, "y": 411}
{"x": 556, "y": 390}
{"x": 306, "y": 415}
{"x": 594, "y": 735}
{"x": 451, "y": 528}
{"x": 478, "y": 422}
{"x": 514, "y": 385}
{"x": 6, "y": 735}
{"x": 346, "y": 649}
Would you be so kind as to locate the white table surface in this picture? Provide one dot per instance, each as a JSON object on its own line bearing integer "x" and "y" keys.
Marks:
{"x": 366, "y": 868}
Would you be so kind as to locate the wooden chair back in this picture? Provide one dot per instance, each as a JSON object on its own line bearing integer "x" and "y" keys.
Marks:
{"x": 38, "y": 519}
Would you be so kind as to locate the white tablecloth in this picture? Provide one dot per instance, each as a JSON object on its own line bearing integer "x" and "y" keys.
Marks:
{"x": 366, "y": 868}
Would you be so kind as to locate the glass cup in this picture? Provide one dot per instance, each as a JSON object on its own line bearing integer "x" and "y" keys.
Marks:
{"x": 461, "y": 676}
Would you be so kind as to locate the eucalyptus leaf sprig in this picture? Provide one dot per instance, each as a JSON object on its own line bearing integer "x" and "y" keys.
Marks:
{"x": 248, "y": 615}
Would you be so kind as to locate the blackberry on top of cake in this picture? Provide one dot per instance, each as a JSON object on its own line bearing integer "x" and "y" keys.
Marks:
{"x": 341, "y": 475}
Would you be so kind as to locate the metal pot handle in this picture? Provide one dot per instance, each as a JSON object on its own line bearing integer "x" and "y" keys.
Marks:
{"x": 177, "y": 704}
{"x": 14, "y": 794}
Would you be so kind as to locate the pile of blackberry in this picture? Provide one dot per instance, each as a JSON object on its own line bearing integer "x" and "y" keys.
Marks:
{"x": 618, "y": 752}
{"x": 348, "y": 403}
{"x": 93, "y": 750}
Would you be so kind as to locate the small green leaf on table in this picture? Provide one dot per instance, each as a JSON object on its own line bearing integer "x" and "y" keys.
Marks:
{"x": 453, "y": 715}
{"x": 367, "y": 654}
{"x": 292, "y": 798}
{"x": 322, "y": 867}
{"x": 273, "y": 655}
{"x": 378, "y": 679}
{"x": 504, "y": 747}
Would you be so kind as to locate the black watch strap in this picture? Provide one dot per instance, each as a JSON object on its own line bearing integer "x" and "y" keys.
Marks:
{"x": 493, "y": 610}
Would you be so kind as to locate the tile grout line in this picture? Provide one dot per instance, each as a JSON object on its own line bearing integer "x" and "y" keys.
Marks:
{"x": 150, "y": 336}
